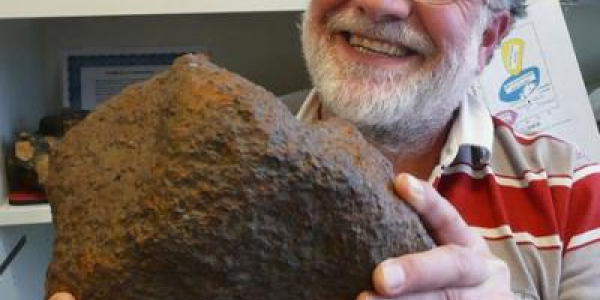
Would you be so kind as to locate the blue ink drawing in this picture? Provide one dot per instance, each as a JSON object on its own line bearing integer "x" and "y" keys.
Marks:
{"x": 520, "y": 86}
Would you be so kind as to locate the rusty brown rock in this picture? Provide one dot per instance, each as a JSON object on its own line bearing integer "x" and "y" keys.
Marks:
{"x": 197, "y": 184}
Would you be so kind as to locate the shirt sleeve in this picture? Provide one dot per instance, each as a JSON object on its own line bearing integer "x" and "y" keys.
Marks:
{"x": 580, "y": 271}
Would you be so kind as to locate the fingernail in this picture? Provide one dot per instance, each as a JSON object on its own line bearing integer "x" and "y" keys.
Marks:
{"x": 364, "y": 296}
{"x": 416, "y": 189}
{"x": 62, "y": 296}
{"x": 392, "y": 277}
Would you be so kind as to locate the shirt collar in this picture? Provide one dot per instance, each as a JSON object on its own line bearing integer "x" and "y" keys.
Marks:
{"x": 473, "y": 127}
{"x": 309, "y": 111}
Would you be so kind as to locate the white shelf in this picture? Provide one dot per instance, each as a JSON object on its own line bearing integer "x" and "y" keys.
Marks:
{"x": 79, "y": 8}
{"x": 24, "y": 215}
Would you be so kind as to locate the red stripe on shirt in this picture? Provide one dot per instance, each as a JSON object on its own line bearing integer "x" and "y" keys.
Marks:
{"x": 586, "y": 166}
{"x": 485, "y": 203}
{"x": 582, "y": 246}
{"x": 583, "y": 215}
{"x": 521, "y": 176}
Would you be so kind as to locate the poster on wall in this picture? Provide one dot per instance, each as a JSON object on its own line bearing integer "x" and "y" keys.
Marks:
{"x": 534, "y": 82}
{"x": 91, "y": 76}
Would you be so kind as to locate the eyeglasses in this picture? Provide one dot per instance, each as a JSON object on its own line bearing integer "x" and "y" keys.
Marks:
{"x": 442, "y": 2}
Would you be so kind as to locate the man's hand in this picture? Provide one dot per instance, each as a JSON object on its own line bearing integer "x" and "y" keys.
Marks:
{"x": 461, "y": 268}
{"x": 62, "y": 296}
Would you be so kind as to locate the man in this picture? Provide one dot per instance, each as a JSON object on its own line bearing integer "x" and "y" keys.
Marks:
{"x": 514, "y": 217}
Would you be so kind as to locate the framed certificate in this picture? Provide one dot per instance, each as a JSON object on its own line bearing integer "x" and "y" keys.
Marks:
{"x": 91, "y": 76}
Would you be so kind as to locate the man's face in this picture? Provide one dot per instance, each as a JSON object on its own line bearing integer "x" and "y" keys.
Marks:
{"x": 392, "y": 64}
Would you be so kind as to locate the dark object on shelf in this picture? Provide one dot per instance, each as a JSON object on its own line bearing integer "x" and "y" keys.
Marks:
{"x": 198, "y": 184}
{"x": 57, "y": 125}
{"x": 26, "y": 198}
{"x": 27, "y": 162}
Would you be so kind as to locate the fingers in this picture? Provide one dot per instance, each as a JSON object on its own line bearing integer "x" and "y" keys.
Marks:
{"x": 62, "y": 296}
{"x": 442, "y": 267}
{"x": 441, "y": 218}
{"x": 495, "y": 284}
{"x": 461, "y": 268}
{"x": 446, "y": 294}
{"x": 437, "y": 295}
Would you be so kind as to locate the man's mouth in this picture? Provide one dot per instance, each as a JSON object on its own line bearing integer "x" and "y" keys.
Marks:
{"x": 372, "y": 46}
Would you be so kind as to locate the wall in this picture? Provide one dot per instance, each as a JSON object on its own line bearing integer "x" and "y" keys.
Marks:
{"x": 24, "y": 279}
{"x": 21, "y": 106}
{"x": 21, "y": 92}
{"x": 583, "y": 22}
{"x": 264, "y": 47}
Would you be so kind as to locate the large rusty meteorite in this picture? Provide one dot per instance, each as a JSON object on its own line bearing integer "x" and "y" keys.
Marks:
{"x": 197, "y": 184}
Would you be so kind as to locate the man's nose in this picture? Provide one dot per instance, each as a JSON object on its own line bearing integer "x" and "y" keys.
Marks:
{"x": 384, "y": 10}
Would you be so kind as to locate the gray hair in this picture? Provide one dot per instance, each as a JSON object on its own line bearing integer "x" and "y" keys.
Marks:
{"x": 517, "y": 8}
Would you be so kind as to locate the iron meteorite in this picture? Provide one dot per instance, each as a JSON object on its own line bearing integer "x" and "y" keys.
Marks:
{"x": 198, "y": 184}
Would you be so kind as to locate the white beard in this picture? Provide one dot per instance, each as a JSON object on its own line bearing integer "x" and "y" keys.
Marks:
{"x": 397, "y": 110}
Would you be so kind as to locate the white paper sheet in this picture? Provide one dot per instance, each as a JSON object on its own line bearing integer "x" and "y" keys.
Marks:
{"x": 534, "y": 81}
{"x": 100, "y": 83}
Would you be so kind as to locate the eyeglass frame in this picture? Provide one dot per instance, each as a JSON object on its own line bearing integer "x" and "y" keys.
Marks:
{"x": 441, "y": 2}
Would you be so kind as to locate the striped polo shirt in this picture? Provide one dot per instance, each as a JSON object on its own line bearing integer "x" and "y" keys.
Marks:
{"x": 534, "y": 199}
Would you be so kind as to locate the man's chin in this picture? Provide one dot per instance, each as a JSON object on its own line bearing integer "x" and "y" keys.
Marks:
{"x": 369, "y": 113}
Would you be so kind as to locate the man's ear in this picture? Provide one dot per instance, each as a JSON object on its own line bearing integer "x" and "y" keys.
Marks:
{"x": 495, "y": 31}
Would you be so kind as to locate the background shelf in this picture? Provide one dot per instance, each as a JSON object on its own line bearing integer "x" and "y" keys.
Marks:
{"x": 78, "y": 8}
{"x": 20, "y": 215}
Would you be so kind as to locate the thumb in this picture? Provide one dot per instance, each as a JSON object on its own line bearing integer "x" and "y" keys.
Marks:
{"x": 62, "y": 296}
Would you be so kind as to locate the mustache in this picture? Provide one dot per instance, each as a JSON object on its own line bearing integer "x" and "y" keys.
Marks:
{"x": 400, "y": 32}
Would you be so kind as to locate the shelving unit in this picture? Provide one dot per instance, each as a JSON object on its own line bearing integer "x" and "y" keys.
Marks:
{"x": 24, "y": 215}
{"x": 77, "y": 8}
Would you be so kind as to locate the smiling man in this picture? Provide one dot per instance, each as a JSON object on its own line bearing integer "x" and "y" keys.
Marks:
{"x": 515, "y": 217}
{"x": 399, "y": 69}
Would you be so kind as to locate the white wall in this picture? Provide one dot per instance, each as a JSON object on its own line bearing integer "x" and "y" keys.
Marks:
{"x": 24, "y": 279}
{"x": 21, "y": 93}
{"x": 584, "y": 26}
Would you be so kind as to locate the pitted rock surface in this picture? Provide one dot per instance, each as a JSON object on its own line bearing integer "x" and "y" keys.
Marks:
{"x": 198, "y": 184}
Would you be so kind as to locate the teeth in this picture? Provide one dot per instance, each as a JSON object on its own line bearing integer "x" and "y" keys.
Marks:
{"x": 366, "y": 45}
